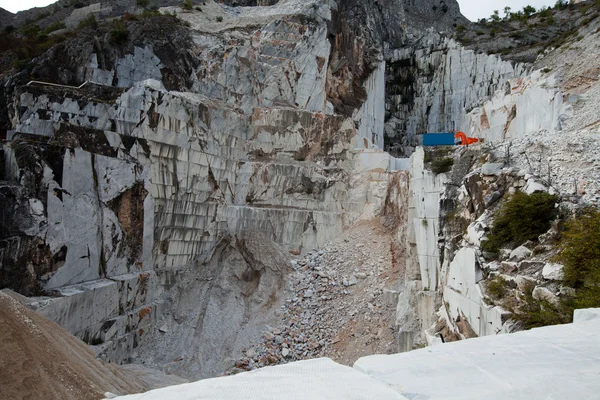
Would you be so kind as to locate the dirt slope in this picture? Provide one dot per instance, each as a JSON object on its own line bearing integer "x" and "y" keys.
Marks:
{"x": 41, "y": 360}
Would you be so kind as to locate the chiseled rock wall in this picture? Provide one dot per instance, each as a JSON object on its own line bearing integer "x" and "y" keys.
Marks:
{"x": 524, "y": 105}
{"x": 426, "y": 189}
{"x": 371, "y": 116}
{"x": 463, "y": 297}
{"x": 432, "y": 85}
{"x": 146, "y": 209}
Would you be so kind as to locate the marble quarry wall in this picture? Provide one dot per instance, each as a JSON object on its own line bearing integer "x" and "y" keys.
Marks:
{"x": 433, "y": 83}
{"x": 140, "y": 208}
{"x": 157, "y": 204}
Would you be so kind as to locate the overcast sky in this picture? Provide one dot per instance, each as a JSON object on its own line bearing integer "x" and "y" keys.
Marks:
{"x": 472, "y": 9}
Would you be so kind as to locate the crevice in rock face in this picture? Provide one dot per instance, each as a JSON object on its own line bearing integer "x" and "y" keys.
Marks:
{"x": 91, "y": 140}
{"x": 102, "y": 260}
{"x": 212, "y": 180}
{"x": 129, "y": 209}
{"x": 152, "y": 117}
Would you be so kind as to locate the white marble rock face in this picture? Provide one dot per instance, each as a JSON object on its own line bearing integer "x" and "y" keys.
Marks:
{"x": 253, "y": 146}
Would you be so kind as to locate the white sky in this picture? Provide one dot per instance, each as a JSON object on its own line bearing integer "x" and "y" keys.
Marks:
{"x": 18, "y": 5}
{"x": 472, "y": 9}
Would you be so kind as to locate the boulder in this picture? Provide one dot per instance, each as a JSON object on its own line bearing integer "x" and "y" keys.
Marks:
{"x": 520, "y": 253}
{"x": 351, "y": 281}
{"x": 492, "y": 169}
{"x": 553, "y": 272}
{"x": 588, "y": 314}
{"x": 530, "y": 267}
{"x": 492, "y": 198}
{"x": 532, "y": 186}
{"x": 549, "y": 236}
{"x": 524, "y": 281}
{"x": 543, "y": 294}
{"x": 390, "y": 296}
{"x": 476, "y": 232}
{"x": 493, "y": 266}
{"x": 508, "y": 267}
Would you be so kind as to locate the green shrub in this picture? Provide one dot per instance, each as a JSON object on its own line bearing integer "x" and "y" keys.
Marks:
{"x": 441, "y": 165}
{"x": 528, "y": 10}
{"x": 119, "y": 34}
{"x": 523, "y": 217}
{"x": 219, "y": 19}
{"x": 545, "y": 13}
{"x": 88, "y": 22}
{"x": 580, "y": 255}
{"x": 31, "y": 31}
{"x": 516, "y": 35}
{"x": 153, "y": 12}
{"x": 143, "y": 3}
{"x": 532, "y": 313}
{"x": 517, "y": 16}
{"x": 53, "y": 27}
{"x": 495, "y": 17}
{"x": 187, "y": 5}
{"x": 561, "y": 4}
{"x": 497, "y": 288}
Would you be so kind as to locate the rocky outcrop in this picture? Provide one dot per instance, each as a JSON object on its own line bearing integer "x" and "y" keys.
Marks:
{"x": 526, "y": 127}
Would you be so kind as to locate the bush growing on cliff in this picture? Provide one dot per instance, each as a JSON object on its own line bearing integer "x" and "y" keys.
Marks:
{"x": 580, "y": 255}
{"x": 533, "y": 313}
{"x": 88, "y": 22}
{"x": 438, "y": 159}
{"x": 561, "y": 4}
{"x": 119, "y": 34}
{"x": 497, "y": 287}
{"x": 523, "y": 217}
{"x": 55, "y": 26}
{"x": 441, "y": 165}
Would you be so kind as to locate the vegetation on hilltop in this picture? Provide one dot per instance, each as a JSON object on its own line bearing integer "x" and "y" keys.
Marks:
{"x": 20, "y": 47}
{"x": 521, "y": 35}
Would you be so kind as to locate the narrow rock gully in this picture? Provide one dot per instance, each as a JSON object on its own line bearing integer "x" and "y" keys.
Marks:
{"x": 341, "y": 303}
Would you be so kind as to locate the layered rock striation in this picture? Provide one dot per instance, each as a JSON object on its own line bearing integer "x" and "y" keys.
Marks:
{"x": 157, "y": 187}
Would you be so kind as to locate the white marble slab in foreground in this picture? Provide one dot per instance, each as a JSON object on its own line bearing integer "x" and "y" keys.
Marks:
{"x": 304, "y": 380}
{"x": 556, "y": 362}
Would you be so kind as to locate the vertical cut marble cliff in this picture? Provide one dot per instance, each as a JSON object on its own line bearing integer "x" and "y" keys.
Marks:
{"x": 141, "y": 208}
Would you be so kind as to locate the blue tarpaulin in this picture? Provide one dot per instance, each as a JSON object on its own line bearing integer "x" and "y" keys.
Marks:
{"x": 438, "y": 139}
